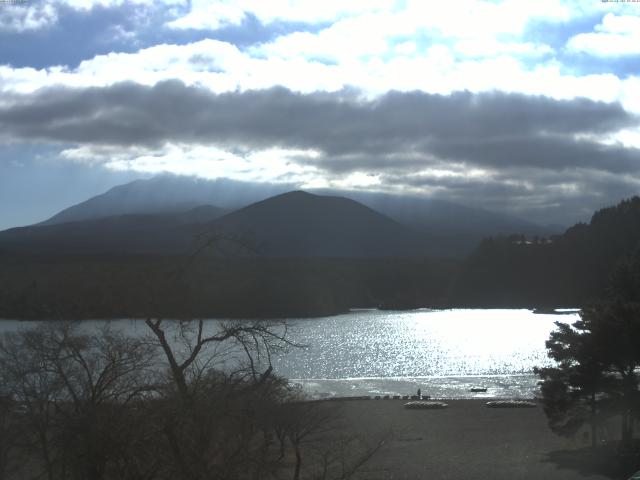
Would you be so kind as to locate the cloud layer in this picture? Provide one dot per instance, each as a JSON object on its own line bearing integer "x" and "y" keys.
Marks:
{"x": 529, "y": 107}
{"x": 337, "y": 124}
{"x": 496, "y": 146}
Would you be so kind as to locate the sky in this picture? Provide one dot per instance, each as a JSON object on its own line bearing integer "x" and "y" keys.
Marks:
{"x": 531, "y": 108}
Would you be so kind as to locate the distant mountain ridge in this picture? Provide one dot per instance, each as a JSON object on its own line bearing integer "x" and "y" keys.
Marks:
{"x": 451, "y": 229}
{"x": 317, "y": 255}
{"x": 295, "y": 224}
{"x": 167, "y": 194}
{"x": 159, "y": 233}
{"x": 448, "y": 228}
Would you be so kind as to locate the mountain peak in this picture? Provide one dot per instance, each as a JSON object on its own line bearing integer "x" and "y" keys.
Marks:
{"x": 302, "y": 224}
{"x": 454, "y": 229}
{"x": 167, "y": 194}
{"x": 297, "y": 194}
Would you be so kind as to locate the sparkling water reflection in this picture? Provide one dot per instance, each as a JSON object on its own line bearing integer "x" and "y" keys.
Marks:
{"x": 444, "y": 352}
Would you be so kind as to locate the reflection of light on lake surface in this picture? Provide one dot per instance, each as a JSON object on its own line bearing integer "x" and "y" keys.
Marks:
{"x": 420, "y": 343}
{"x": 445, "y": 352}
{"x": 382, "y": 349}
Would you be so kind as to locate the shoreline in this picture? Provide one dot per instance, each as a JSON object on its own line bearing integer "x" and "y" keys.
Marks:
{"x": 498, "y": 386}
{"x": 424, "y": 398}
{"x": 559, "y": 310}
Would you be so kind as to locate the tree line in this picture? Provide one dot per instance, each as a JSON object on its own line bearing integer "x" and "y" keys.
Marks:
{"x": 80, "y": 287}
{"x": 564, "y": 270}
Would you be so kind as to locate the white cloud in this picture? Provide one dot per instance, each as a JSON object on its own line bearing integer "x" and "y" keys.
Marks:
{"x": 408, "y": 48}
{"x": 205, "y": 14}
{"x": 627, "y": 138}
{"x": 20, "y": 18}
{"x": 356, "y": 180}
{"x": 488, "y": 47}
{"x": 221, "y": 67}
{"x": 274, "y": 165}
{"x": 475, "y": 27}
{"x": 89, "y": 4}
{"x": 617, "y": 35}
{"x": 269, "y": 165}
{"x": 211, "y": 14}
{"x": 465, "y": 19}
{"x": 473, "y": 18}
{"x": 345, "y": 40}
{"x": 39, "y": 14}
{"x": 436, "y": 48}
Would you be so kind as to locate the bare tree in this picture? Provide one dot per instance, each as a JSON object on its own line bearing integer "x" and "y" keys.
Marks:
{"x": 9, "y": 429}
{"x": 75, "y": 389}
{"x": 250, "y": 344}
{"x": 99, "y": 406}
{"x": 222, "y": 376}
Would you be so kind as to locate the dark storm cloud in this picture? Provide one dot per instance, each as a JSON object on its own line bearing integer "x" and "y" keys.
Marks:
{"x": 553, "y": 152}
{"x": 494, "y": 130}
{"x": 539, "y": 195}
{"x": 532, "y": 152}
{"x": 452, "y": 184}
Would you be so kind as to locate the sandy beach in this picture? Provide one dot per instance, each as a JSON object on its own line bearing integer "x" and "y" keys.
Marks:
{"x": 467, "y": 440}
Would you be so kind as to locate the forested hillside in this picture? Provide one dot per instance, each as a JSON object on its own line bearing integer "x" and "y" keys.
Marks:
{"x": 507, "y": 271}
{"x": 79, "y": 287}
{"x": 568, "y": 269}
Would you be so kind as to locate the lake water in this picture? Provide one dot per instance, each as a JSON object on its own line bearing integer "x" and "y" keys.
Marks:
{"x": 444, "y": 353}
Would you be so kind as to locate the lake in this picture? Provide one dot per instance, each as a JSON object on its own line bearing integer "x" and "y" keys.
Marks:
{"x": 443, "y": 352}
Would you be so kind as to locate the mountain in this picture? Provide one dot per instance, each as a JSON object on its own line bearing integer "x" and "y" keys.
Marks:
{"x": 295, "y": 224}
{"x": 451, "y": 229}
{"x": 42, "y": 274}
{"x": 119, "y": 234}
{"x": 300, "y": 224}
{"x": 167, "y": 194}
{"x": 424, "y": 213}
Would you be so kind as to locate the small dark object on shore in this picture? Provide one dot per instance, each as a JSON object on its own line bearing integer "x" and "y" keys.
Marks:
{"x": 511, "y": 404}
{"x": 425, "y": 405}
{"x": 342, "y": 399}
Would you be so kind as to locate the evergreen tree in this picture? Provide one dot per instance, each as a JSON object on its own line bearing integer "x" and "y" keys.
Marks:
{"x": 596, "y": 375}
{"x": 572, "y": 391}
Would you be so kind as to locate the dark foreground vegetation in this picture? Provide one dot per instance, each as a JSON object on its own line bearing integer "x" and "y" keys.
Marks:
{"x": 176, "y": 403}
{"x": 597, "y": 376}
{"x": 594, "y": 388}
